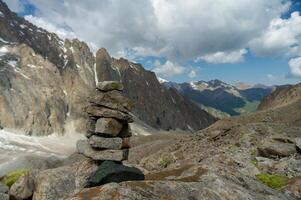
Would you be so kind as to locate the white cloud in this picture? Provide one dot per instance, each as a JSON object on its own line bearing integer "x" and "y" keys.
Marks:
{"x": 282, "y": 37}
{"x": 15, "y": 5}
{"x": 61, "y": 32}
{"x": 271, "y": 77}
{"x": 225, "y": 57}
{"x": 177, "y": 29}
{"x": 192, "y": 74}
{"x": 168, "y": 69}
{"x": 295, "y": 67}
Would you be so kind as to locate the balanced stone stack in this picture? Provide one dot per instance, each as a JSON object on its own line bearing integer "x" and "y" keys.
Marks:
{"x": 108, "y": 129}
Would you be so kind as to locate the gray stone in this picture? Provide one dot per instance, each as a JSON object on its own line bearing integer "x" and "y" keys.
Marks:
{"x": 110, "y": 171}
{"x": 84, "y": 147}
{"x": 276, "y": 148}
{"x": 108, "y": 126}
{"x": 63, "y": 182}
{"x": 24, "y": 187}
{"x": 109, "y": 86}
{"x": 98, "y": 111}
{"x": 105, "y": 143}
{"x": 3, "y": 188}
{"x": 113, "y": 100}
{"x": 4, "y": 196}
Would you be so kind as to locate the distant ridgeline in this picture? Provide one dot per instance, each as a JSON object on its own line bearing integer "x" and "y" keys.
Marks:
{"x": 221, "y": 99}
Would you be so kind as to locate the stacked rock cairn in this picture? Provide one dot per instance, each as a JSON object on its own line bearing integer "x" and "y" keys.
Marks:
{"x": 108, "y": 129}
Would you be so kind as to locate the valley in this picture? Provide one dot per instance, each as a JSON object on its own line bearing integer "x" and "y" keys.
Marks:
{"x": 77, "y": 123}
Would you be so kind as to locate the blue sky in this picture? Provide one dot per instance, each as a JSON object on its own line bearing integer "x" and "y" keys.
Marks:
{"x": 256, "y": 41}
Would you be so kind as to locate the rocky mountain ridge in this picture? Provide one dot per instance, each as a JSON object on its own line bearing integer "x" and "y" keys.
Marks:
{"x": 216, "y": 95}
{"x": 44, "y": 83}
{"x": 281, "y": 97}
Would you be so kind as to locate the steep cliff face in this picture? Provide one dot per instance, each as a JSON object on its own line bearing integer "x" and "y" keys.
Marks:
{"x": 44, "y": 82}
{"x": 159, "y": 107}
{"x": 43, "y": 79}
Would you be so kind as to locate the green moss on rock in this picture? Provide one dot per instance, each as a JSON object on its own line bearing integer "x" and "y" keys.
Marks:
{"x": 13, "y": 176}
{"x": 273, "y": 181}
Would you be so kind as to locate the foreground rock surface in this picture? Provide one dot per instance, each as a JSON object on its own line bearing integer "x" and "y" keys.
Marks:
{"x": 209, "y": 189}
{"x": 63, "y": 182}
{"x": 110, "y": 171}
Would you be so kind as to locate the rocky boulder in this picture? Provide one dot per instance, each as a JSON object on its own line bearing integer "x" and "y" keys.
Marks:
{"x": 109, "y": 86}
{"x": 108, "y": 126}
{"x": 277, "y": 147}
{"x": 62, "y": 182}
{"x": 110, "y": 171}
{"x": 24, "y": 187}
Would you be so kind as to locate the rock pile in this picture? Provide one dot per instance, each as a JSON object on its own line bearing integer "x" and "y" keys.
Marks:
{"x": 108, "y": 134}
{"x": 108, "y": 130}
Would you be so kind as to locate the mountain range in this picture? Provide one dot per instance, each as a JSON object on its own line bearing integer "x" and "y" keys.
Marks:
{"x": 45, "y": 82}
{"x": 222, "y": 99}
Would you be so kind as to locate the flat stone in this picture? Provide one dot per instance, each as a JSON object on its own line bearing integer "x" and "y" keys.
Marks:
{"x": 105, "y": 143}
{"x": 110, "y": 171}
{"x": 108, "y": 126}
{"x": 3, "y": 188}
{"x": 98, "y": 111}
{"x": 84, "y": 147}
{"x": 113, "y": 100}
{"x": 276, "y": 148}
{"x": 109, "y": 86}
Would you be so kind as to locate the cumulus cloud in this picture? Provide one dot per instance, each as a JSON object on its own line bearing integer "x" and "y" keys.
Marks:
{"x": 225, "y": 57}
{"x": 282, "y": 37}
{"x": 15, "y": 5}
{"x": 168, "y": 69}
{"x": 295, "y": 67}
{"x": 177, "y": 30}
{"x": 61, "y": 32}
